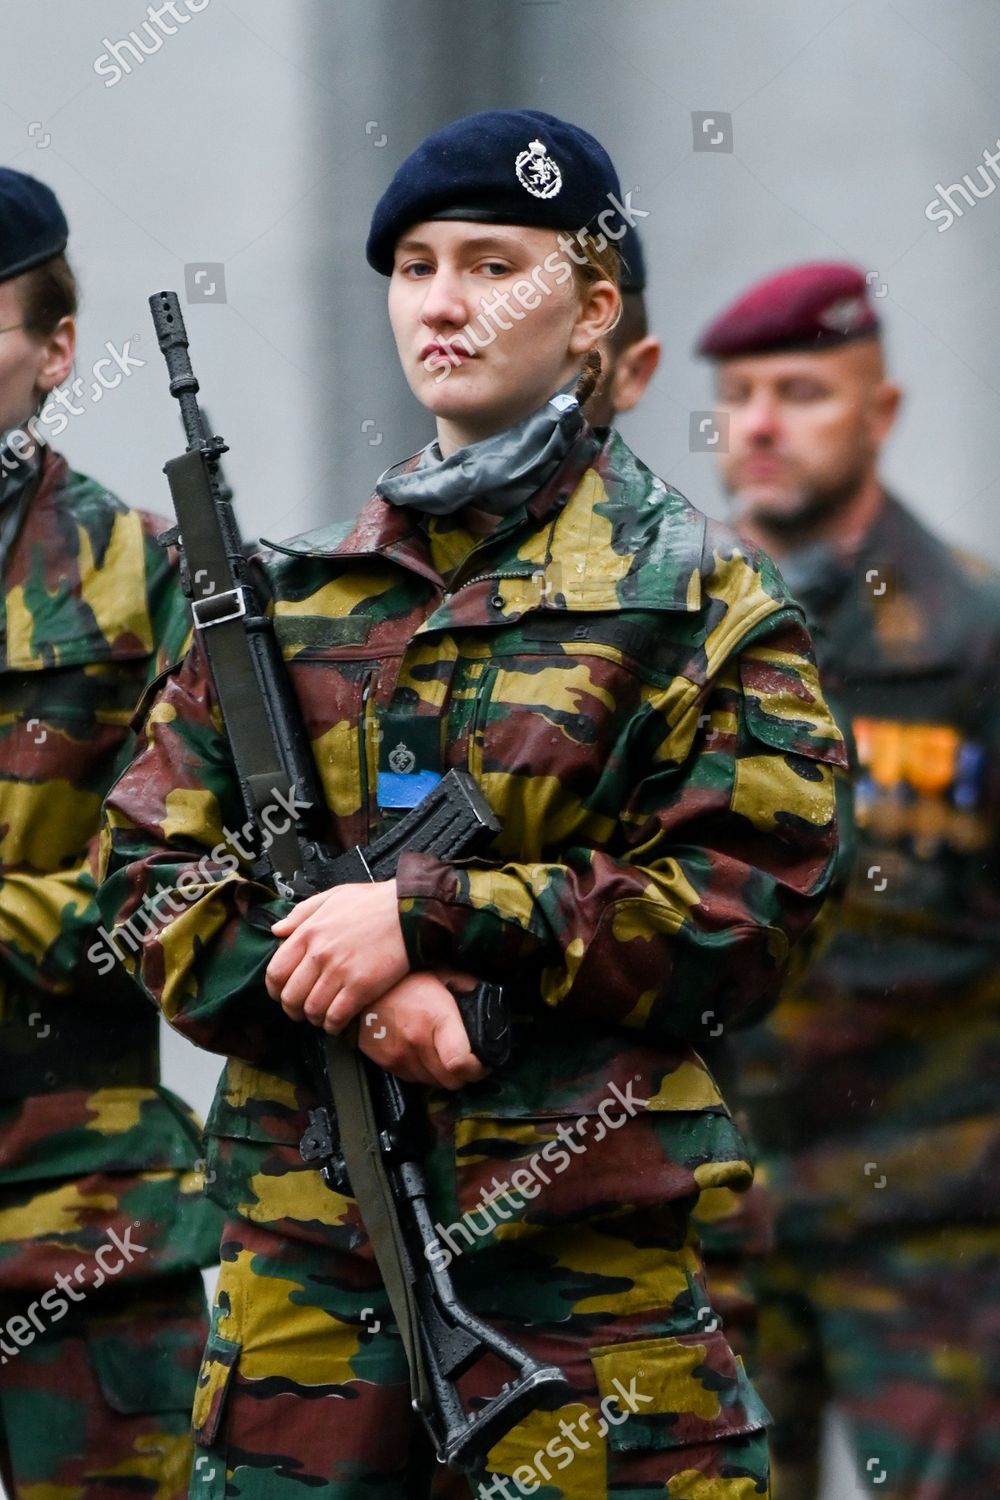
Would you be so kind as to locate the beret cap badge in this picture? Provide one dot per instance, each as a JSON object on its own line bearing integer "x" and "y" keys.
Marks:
{"x": 844, "y": 315}
{"x": 500, "y": 166}
{"x": 537, "y": 173}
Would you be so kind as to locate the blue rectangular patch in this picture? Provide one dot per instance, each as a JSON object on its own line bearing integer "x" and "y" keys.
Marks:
{"x": 405, "y": 788}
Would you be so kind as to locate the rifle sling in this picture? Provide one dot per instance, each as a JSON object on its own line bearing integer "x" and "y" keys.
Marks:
{"x": 230, "y": 656}
{"x": 360, "y": 1147}
{"x": 242, "y": 700}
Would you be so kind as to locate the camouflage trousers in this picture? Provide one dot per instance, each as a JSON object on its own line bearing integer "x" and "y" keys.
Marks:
{"x": 303, "y": 1390}
{"x": 902, "y": 1334}
{"x": 96, "y": 1405}
{"x": 735, "y": 1231}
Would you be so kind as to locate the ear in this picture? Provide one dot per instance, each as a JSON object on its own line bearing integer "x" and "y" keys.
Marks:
{"x": 56, "y": 353}
{"x": 885, "y": 409}
{"x": 634, "y": 369}
{"x": 600, "y": 307}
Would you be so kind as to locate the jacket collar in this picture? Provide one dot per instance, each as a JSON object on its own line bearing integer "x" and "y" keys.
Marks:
{"x": 595, "y": 537}
{"x": 899, "y": 615}
{"x": 73, "y": 591}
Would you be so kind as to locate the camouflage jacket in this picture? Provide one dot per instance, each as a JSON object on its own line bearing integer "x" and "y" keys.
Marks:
{"x": 874, "y": 1086}
{"x": 634, "y": 691}
{"x": 88, "y": 1138}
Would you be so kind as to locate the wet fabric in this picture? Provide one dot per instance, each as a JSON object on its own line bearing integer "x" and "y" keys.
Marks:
{"x": 497, "y": 474}
{"x": 304, "y": 1387}
{"x": 635, "y": 693}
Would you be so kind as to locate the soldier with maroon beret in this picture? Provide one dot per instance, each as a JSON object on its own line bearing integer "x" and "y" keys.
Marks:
{"x": 873, "y": 1086}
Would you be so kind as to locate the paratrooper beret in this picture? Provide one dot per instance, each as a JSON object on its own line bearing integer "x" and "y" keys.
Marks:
{"x": 815, "y": 306}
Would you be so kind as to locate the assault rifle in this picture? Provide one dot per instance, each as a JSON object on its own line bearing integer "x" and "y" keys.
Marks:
{"x": 368, "y": 1136}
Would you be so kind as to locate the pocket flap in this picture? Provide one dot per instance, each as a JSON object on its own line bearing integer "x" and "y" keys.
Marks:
{"x": 671, "y": 1392}
{"x": 512, "y": 1175}
{"x": 218, "y": 1366}
{"x": 785, "y": 708}
{"x": 137, "y": 1378}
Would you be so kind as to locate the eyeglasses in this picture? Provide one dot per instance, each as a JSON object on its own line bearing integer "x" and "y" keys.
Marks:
{"x": 10, "y": 327}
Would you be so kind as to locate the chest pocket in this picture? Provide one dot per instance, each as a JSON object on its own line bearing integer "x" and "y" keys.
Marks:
{"x": 337, "y": 697}
{"x": 550, "y": 717}
{"x": 61, "y": 731}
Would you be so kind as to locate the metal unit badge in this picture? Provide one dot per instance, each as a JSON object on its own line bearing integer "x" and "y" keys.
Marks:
{"x": 537, "y": 172}
{"x": 402, "y": 759}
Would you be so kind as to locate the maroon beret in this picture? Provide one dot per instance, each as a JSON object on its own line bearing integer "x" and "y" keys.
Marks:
{"x": 816, "y": 306}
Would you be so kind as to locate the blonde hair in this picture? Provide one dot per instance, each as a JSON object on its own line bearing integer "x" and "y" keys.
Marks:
{"x": 601, "y": 263}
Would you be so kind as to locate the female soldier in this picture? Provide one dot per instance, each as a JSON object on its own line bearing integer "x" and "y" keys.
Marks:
{"x": 635, "y": 694}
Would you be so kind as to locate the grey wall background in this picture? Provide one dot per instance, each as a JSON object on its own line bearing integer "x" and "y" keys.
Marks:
{"x": 255, "y": 141}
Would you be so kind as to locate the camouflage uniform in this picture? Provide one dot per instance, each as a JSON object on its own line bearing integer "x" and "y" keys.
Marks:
{"x": 102, "y": 1224}
{"x": 634, "y": 692}
{"x": 873, "y": 1086}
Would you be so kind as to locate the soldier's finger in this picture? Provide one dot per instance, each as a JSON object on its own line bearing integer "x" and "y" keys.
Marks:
{"x": 404, "y": 1062}
{"x": 293, "y": 919}
{"x": 452, "y": 1058}
{"x": 299, "y": 985}
{"x": 327, "y": 988}
{"x": 285, "y": 961}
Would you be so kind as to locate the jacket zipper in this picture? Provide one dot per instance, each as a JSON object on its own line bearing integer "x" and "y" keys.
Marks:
{"x": 364, "y": 777}
{"x": 484, "y": 689}
{"x": 484, "y": 578}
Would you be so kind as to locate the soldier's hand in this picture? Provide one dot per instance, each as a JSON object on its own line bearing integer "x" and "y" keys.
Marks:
{"x": 341, "y": 950}
{"x": 416, "y": 1032}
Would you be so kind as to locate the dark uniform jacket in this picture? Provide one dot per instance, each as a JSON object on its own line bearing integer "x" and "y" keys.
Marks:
{"x": 874, "y": 1087}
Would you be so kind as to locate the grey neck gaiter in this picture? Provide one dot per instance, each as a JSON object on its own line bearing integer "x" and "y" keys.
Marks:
{"x": 497, "y": 474}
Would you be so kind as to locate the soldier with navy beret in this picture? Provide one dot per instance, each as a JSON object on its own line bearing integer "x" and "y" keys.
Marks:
{"x": 103, "y": 1228}
{"x": 873, "y": 1087}
{"x": 633, "y": 690}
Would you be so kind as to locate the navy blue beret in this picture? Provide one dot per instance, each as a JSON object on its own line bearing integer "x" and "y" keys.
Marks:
{"x": 33, "y": 227}
{"x": 504, "y": 166}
